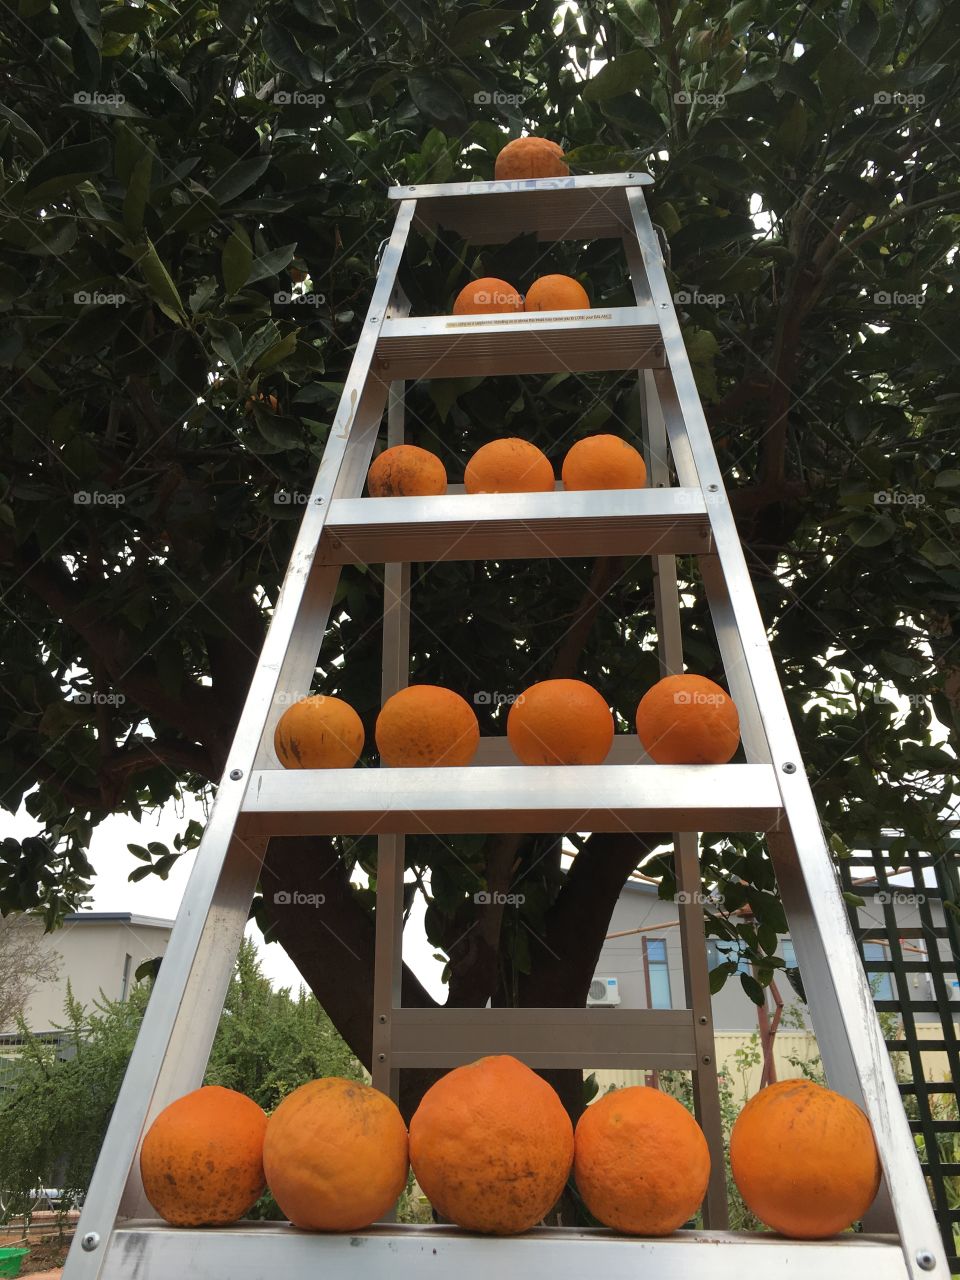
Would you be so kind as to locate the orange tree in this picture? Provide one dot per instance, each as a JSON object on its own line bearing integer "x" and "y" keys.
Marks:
{"x": 192, "y": 202}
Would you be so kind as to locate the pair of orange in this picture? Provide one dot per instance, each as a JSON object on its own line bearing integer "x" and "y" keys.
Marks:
{"x": 510, "y": 465}
{"x": 492, "y": 296}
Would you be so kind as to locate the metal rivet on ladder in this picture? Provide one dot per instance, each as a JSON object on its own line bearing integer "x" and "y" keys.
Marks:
{"x": 703, "y": 1019}
{"x": 236, "y": 775}
{"x": 663, "y": 306}
{"x": 712, "y": 488}
{"x": 705, "y": 1059}
{"x": 789, "y": 767}
{"x": 925, "y": 1260}
{"x": 91, "y": 1240}
{"x": 383, "y": 1017}
{"x": 381, "y": 1057}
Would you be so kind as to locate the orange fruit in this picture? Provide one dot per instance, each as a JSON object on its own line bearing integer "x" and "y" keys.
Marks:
{"x": 202, "y": 1159}
{"x": 603, "y": 462}
{"x": 530, "y": 158}
{"x": 642, "y": 1162}
{"x": 556, "y": 293}
{"x": 406, "y": 471}
{"x": 424, "y": 725}
{"x": 491, "y": 1145}
{"x": 804, "y": 1159}
{"x": 688, "y": 720}
{"x": 335, "y": 1155}
{"x": 560, "y": 722}
{"x": 318, "y": 733}
{"x": 508, "y": 466}
{"x": 488, "y": 295}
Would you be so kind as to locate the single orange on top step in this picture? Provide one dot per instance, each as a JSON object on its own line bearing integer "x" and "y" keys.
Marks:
{"x": 406, "y": 471}
{"x": 556, "y": 293}
{"x": 560, "y": 722}
{"x": 509, "y": 466}
{"x": 530, "y": 158}
{"x": 319, "y": 733}
{"x": 335, "y": 1155}
{"x": 425, "y": 725}
{"x": 491, "y": 1145}
{"x": 642, "y": 1163}
{"x": 804, "y": 1159}
{"x": 202, "y": 1159}
{"x": 688, "y": 720}
{"x": 487, "y": 295}
{"x": 603, "y": 462}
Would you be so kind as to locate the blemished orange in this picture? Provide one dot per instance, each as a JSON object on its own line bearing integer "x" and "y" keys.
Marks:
{"x": 406, "y": 471}
{"x": 424, "y": 726}
{"x": 335, "y": 1155}
{"x": 603, "y": 462}
{"x": 488, "y": 295}
{"x": 642, "y": 1163}
{"x": 804, "y": 1159}
{"x": 556, "y": 293}
{"x": 688, "y": 720}
{"x": 319, "y": 732}
{"x": 202, "y": 1158}
{"x": 530, "y": 158}
{"x": 510, "y": 465}
{"x": 491, "y": 1145}
{"x": 560, "y": 722}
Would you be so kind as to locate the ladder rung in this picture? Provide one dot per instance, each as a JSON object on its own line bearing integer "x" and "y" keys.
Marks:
{"x": 636, "y": 1039}
{"x": 581, "y": 208}
{"x": 520, "y": 342}
{"x": 251, "y": 1250}
{"x": 511, "y": 798}
{"x": 494, "y": 526}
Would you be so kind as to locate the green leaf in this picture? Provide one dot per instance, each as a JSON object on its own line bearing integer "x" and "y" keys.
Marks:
{"x": 939, "y": 553}
{"x": 236, "y": 259}
{"x": 630, "y": 71}
{"x": 138, "y": 192}
{"x": 792, "y": 132}
{"x": 871, "y": 531}
{"x": 719, "y": 976}
{"x": 437, "y": 102}
{"x": 30, "y": 140}
{"x": 279, "y": 351}
{"x": 87, "y": 14}
{"x": 947, "y": 480}
{"x": 854, "y": 899}
{"x": 65, "y": 168}
{"x": 139, "y": 851}
{"x": 159, "y": 281}
{"x": 473, "y": 27}
{"x": 226, "y": 341}
{"x": 237, "y": 177}
{"x": 268, "y": 264}
{"x": 753, "y": 988}
{"x": 284, "y": 52}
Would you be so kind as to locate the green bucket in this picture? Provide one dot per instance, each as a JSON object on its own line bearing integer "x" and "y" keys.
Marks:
{"x": 11, "y": 1259}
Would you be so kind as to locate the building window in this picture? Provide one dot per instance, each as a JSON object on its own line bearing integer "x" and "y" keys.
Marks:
{"x": 719, "y": 953}
{"x": 656, "y": 973}
{"x": 881, "y": 984}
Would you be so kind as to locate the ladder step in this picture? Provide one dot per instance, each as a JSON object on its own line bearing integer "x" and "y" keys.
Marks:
{"x": 520, "y": 342}
{"x": 252, "y": 1250}
{"x": 636, "y": 1039}
{"x": 582, "y": 208}
{"x": 495, "y": 526}
{"x": 511, "y": 798}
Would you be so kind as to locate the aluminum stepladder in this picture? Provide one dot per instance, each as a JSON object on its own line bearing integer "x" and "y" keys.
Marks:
{"x": 118, "y": 1234}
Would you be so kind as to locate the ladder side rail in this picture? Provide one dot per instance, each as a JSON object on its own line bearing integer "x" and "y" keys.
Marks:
{"x": 199, "y": 959}
{"x": 844, "y": 1018}
{"x": 696, "y": 977}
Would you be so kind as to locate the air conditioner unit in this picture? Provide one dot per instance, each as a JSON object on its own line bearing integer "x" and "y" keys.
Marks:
{"x": 603, "y": 991}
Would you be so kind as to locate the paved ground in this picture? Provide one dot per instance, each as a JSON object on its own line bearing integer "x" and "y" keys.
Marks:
{"x": 44, "y": 1275}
